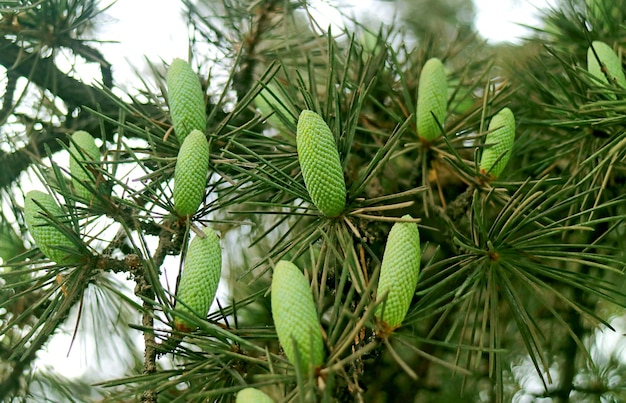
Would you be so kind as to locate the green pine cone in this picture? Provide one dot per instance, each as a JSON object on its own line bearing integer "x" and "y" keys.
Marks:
{"x": 610, "y": 60}
{"x": 432, "y": 98}
{"x": 199, "y": 280}
{"x": 89, "y": 152}
{"x": 186, "y": 99}
{"x": 499, "y": 143}
{"x": 295, "y": 316}
{"x": 192, "y": 166}
{"x": 252, "y": 395}
{"x": 320, "y": 164}
{"x": 398, "y": 273}
{"x": 51, "y": 241}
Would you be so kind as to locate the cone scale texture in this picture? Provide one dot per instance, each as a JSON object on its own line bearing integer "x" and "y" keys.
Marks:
{"x": 295, "y": 316}
{"x": 186, "y": 99}
{"x": 399, "y": 272}
{"x": 89, "y": 152}
{"x": 200, "y": 277}
{"x": 432, "y": 98}
{"x": 190, "y": 174}
{"x": 48, "y": 238}
{"x": 320, "y": 164}
{"x": 498, "y": 144}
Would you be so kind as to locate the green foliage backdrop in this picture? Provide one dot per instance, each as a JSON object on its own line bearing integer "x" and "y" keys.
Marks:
{"x": 521, "y": 275}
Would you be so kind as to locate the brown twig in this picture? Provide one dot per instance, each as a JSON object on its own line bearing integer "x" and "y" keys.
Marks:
{"x": 42, "y": 72}
{"x": 9, "y": 93}
{"x": 170, "y": 240}
{"x": 244, "y": 78}
{"x": 145, "y": 292}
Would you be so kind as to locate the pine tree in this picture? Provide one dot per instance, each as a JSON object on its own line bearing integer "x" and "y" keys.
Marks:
{"x": 519, "y": 274}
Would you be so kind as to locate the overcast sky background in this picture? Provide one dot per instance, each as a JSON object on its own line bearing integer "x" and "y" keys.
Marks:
{"x": 155, "y": 29}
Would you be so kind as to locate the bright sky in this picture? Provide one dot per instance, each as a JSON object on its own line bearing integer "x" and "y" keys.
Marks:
{"x": 498, "y": 20}
{"x": 154, "y": 28}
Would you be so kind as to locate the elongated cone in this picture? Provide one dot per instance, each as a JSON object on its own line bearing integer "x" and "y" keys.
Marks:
{"x": 609, "y": 59}
{"x": 79, "y": 159}
{"x": 200, "y": 277}
{"x": 50, "y": 240}
{"x": 432, "y": 98}
{"x": 498, "y": 144}
{"x": 398, "y": 273}
{"x": 186, "y": 99}
{"x": 192, "y": 167}
{"x": 320, "y": 164}
{"x": 297, "y": 325}
{"x": 252, "y": 395}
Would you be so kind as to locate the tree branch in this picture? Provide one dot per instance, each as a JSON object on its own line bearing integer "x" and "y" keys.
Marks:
{"x": 9, "y": 92}
{"x": 44, "y": 73}
{"x": 244, "y": 78}
{"x": 169, "y": 241}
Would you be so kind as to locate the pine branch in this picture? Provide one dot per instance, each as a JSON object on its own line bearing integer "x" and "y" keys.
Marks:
{"x": 91, "y": 55}
{"x": 11, "y": 384}
{"x": 44, "y": 73}
{"x": 9, "y": 93}
{"x": 244, "y": 78}
{"x": 144, "y": 291}
{"x": 569, "y": 348}
{"x": 21, "y": 362}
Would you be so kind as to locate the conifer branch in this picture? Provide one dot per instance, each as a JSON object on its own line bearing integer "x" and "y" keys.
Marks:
{"x": 244, "y": 79}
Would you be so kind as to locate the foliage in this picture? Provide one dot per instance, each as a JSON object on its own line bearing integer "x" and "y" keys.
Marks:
{"x": 519, "y": 274}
